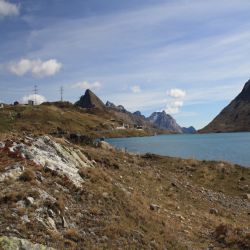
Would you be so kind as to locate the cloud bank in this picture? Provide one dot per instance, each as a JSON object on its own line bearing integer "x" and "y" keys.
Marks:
{"x": 38, "y": 99}
{"x": 8, "y": 9}
{"x": 86, "y": 85}
{"x": 35, "y": 67}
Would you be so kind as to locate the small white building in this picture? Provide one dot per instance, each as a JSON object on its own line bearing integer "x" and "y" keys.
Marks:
{"x": 1, "y": 105}
{"x": 31, "y": 102}
{"x": 121, "y": 127}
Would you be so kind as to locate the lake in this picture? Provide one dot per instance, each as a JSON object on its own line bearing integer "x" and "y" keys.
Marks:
{"x": 231, "y": 147}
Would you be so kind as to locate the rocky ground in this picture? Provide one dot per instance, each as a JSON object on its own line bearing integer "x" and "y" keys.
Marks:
{"x": 57, "y": 195}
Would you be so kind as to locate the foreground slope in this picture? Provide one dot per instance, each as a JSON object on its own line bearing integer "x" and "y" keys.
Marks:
{"x": 235, "y": 117}
{"x": 71, "y": 197}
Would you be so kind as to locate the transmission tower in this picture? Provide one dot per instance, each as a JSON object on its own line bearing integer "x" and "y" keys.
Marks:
{"x": 61, "y": 91}
{"x": 35, "y": 93}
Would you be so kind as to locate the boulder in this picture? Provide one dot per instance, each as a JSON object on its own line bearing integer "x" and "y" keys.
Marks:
{"x": 13, "y": 243}
{"x": 247, "y": 196}
{"x": 154, "y": 207}
{"x": 105, "y": 145}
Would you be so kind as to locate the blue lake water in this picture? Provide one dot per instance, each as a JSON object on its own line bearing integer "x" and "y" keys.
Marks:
{"x": 231, "y": 147}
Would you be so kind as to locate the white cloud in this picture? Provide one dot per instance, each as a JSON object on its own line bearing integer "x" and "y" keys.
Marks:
{"x": 176, "y": 93}
{"x": 87, "y": 85}
{"x": 175, "y": 103}
{"x": 136, "y": 89}
{"x": 36, "y": 67}
{"x": 173, "y": 107}
{"x": 8, "y": 9}
{"x": 38, "y": 99}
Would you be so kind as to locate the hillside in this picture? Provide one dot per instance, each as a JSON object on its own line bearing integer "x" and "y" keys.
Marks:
{"x": 233, "y": 118}
{"x": 64, "y": 196}
{"x": 66, "y": 118}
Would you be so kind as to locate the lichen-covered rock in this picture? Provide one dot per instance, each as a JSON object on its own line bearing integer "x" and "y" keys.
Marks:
{"x": 105, "y": 145}
{"x": 12, "y": 172}
{"x": 64, "y": 160}
{"x": 2, "y": 145}
{"x": 13, "y": 243}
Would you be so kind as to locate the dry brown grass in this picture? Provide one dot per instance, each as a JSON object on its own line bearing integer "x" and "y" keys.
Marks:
{"x": 71, "y": 234}
{"x": 27, "y": 176}
{"x": 231, "y": 237}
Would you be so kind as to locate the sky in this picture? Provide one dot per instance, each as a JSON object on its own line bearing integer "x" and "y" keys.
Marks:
{"x": 187, "y": 57}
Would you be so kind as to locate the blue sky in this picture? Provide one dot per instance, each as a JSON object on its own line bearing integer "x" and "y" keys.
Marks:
{"x": 188, "y": 57}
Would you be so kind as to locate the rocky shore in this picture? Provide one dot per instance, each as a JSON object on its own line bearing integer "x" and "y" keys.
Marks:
{"x": 58, "y": 195}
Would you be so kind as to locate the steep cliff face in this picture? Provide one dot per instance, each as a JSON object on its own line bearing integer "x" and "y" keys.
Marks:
{"x": 233, "y": 118}
{"x": 90, "y": 100}
{"x": 165, "y": 121}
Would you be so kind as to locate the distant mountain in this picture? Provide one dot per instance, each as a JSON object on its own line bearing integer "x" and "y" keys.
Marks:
{"x": 233, "y": 118}
{"x": 90, "y": 100}
{"x": 165, "y": 121}
{"x": 158, "y": 120}
{"x": 139, "y": 114}
{"x": 189, "y": 130}
{"x": 113, "y": 106}
{"x": 110, "y": 104}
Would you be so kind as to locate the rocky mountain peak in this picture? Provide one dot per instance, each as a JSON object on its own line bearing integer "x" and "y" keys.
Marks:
{"x": 235, "y": 117}
{"x": 90, "y": 100}
{"x": 245, "y": 93}
{"x": 165, "y": 121}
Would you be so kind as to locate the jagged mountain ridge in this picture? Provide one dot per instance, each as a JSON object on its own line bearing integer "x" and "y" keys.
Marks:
{"x": 233, "y": 118}
{"x": 160, "y": 120}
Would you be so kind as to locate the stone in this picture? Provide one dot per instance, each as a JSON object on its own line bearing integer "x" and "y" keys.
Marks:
{"x": 52, "y": 223}
{"x": 64, "y": 222}
{"x": 21, "y": 204}
{"x": 105, "y": 195}
{"x": 25, "y": 218}
{"x": 154, "y": 207}
{"x": 12, "y": 172}
{"x": 105, "y": 145}
{"x": 14, "y": 243}
{"x": 51, "y": 213}
{"x": 247, "y": 196}
{"x": 214, "y": 211}
{"x": 30, "y": 200}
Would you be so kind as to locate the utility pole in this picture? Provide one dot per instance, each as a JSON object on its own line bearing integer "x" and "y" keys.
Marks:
{"x": 35, "y": 93}
{"x": 61, "y": 91}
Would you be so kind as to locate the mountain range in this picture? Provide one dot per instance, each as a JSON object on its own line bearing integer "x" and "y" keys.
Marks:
{"x": 160, "y": 120}
{"x": 233, "y": 118}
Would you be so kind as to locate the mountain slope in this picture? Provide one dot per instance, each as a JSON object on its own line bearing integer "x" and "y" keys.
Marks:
{"x": 233, "y": 118}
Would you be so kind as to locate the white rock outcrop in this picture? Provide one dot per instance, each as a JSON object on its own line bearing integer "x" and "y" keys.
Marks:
{"x": 63, "y": 159}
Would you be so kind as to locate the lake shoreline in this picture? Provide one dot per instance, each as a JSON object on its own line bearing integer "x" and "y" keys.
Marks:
{"x": 226, "y": 147}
